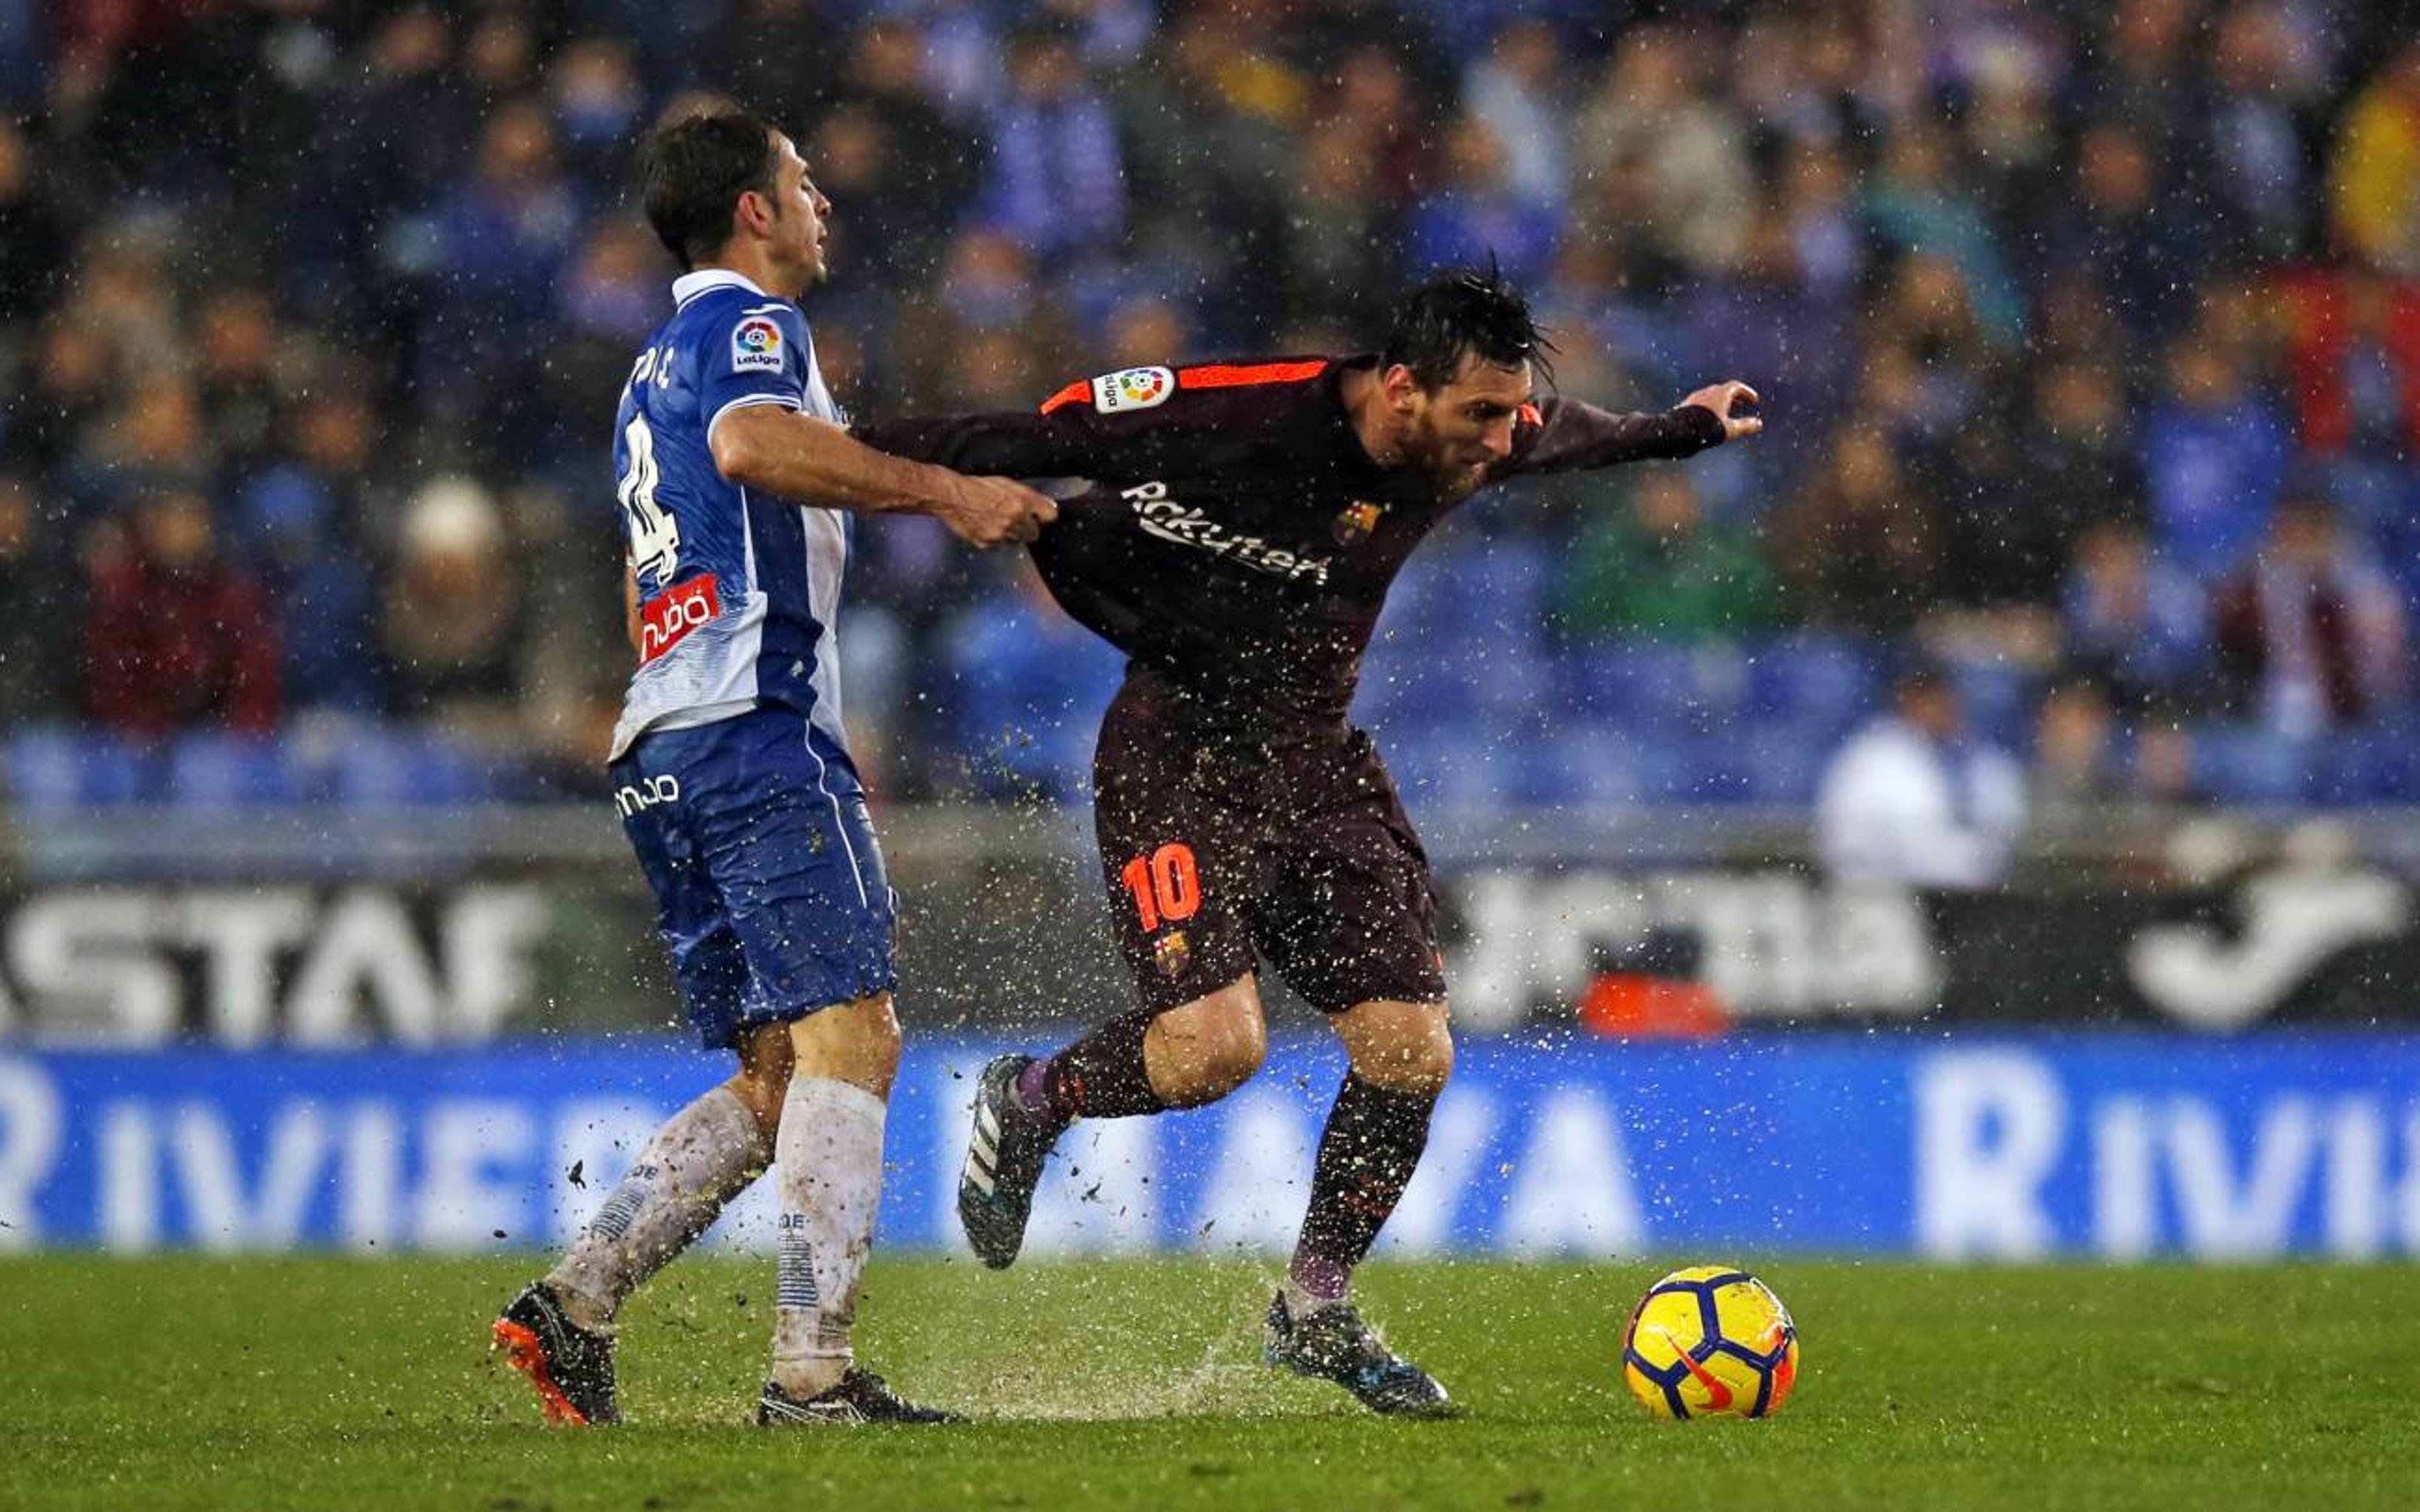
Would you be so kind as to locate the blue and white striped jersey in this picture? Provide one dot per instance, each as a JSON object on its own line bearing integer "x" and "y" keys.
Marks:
{"x": 737, "y": 593}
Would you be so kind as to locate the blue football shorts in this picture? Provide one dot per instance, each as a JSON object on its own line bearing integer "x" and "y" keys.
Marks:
{"x": 771, "y": 894}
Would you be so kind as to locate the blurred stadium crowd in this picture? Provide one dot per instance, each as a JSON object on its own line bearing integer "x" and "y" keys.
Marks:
{"x": 2089, "y": 336}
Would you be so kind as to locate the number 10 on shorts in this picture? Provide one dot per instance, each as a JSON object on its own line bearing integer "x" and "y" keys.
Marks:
{"x": 1165, "y": 885}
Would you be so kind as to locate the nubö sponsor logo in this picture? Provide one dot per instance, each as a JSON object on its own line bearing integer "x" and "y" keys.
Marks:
{"x": 632, "y": 798}
{"x": 673, "y": 614}
{"x": 1164, "y": 518}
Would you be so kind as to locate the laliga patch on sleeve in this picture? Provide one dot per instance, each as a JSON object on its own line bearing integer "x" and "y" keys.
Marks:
{"x": 756, "y": 345}
{"x": 1135, "y": 388}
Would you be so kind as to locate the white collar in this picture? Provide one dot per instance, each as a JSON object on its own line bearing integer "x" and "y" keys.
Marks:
{"x": 690, "y": 285}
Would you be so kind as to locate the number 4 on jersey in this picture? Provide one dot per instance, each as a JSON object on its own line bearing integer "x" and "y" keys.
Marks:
{"x": 655, "y": 534}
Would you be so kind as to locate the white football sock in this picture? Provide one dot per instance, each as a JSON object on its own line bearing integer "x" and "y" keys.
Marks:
{"x": 701, "y": 1156}
{"x": 829, "y": 1161}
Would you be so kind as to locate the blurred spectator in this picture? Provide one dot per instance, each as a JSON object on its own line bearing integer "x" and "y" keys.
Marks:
{"x": 2375, "y": 177}
{"x": 2076, "y": 765}
{"x": 1476, "y": 213}
{"x": 2017, "y": 504}
{"x": 1914, "y": 799}
{"x": 2214, "y": 453}
{"x": 775, "y": 55}
{"x": 235, "y": 349}
{"x": 452, "y": 618}
{"x": 2261, "y": 182}
{"x": 320, "y": 595}
{"x": 36, "y": 600}
{"x": 928, "y": 165}
{"x": 34, "y": 241}
{"x": 2118, "y": 229}
{"x": 174, "y": 636}
{"x": 2311, "y": 634}
{"x": 1661, "y": 571}
{"x": 1650, "y": 137}
{"x": 503, "y": 236}
{"x": 597, "y": 103}
{"x": 1859, "y": 550}
{"x": 1917, "y": 205}
{"x": 1057, "y": 182}
{"x": 1517, "y": 92}
{"x": 2134, "y": 622}
{"x": 2354, "y": 350}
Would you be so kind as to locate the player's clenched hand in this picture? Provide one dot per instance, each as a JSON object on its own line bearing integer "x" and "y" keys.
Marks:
{"x": 1723, "y": 399}
{"x": 988, "y": 512}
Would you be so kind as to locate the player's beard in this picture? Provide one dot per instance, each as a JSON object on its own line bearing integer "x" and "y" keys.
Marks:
{"x": 1451, "y": 479}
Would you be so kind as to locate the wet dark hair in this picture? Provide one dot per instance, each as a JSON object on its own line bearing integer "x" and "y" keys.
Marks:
{"x": 1468, "y": 310}
{"x": 692, "y": 172}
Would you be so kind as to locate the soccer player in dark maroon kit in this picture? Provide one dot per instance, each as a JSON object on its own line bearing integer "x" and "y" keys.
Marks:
{"x": 1240, "y": 527}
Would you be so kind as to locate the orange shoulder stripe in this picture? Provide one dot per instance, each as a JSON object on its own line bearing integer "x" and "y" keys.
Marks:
{"x": 1068, "y": 395}
{"x": 1232, "y": 375}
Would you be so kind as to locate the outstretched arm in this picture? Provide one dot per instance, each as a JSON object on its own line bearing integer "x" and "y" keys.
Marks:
{"x": 1569, "y": 435}
{"x": 795, "y": 455}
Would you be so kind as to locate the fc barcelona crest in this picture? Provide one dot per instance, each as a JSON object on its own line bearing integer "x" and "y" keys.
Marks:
{"x": 1172, "y": 953}
{"x": 1360, "y": 518}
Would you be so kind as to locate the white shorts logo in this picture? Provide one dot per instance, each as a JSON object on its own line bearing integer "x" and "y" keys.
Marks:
{"x": 1135, "y": 388}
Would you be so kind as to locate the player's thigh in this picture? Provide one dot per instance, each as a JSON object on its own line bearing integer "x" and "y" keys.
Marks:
{"x": 1179, "y": 865}
{"x": 1350, "y": 916}
{"x": 786, "y": 836}
{"x": 709, "y": 969}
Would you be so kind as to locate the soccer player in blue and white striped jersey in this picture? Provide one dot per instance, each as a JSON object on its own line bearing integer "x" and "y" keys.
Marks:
{"x": 738, "y": 486}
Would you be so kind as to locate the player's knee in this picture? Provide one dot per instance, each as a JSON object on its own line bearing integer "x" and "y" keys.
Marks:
{"x": 1234, "y": 1053}
{"x": 1213, "y": 1048}
{"x": 1417, "y": 1059}
{"x": 876, "y": 1032}
{"x": 764, "y": 1077}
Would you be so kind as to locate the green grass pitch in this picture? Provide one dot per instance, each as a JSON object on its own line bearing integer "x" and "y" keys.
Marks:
{"x": 339, "y": 1383}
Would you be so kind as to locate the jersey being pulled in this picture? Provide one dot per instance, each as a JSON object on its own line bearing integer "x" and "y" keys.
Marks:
{"x": 737, "y": 593}
{"x": 1234, "y": 534}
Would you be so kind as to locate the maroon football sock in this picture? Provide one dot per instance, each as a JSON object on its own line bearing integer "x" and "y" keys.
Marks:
{"x": 1371, "y": 1146}
{"x": 1100, "y": 1076}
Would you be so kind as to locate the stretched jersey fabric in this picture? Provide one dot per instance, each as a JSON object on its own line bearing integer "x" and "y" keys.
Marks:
{"x": 737, "y": 593}
{"x": 1235, "y": 536}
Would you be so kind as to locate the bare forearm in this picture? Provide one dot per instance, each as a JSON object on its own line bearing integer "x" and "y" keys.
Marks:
{"x": 798, "y": 457}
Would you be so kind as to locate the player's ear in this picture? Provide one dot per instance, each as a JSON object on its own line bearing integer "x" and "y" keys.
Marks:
{"x": 1400, "y": 384}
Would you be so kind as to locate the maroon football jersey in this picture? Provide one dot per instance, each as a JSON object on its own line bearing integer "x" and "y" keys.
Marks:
{"x": 1234, "y": 534}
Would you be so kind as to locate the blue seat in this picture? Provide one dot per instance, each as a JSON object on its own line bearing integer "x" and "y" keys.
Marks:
{"x": 1816, "y": 678}
{"x": 1451, "y": 766}
{"x": 1779, "y": 766}
{"x": 1476, "y": 675}
{"x": 60, "y": 767}
{"x": 1023, "y": 696}
{"x": 385, "y": 768}
{"x": 2370, "y": 763}
{"x": 1998, "y": 700}
{"x": 1659, "y": 685}
{"x": 1581, "y": 765}
{"x": 219, "y": 769}
{"x": 2245, "y": 764}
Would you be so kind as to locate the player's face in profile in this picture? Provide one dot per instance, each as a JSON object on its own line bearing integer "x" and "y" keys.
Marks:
{"x": 801, "y": 216}
{"x": 1460, "y": 430}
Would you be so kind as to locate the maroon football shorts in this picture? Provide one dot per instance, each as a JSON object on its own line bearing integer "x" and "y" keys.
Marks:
{"x": 1223, "y": 832}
